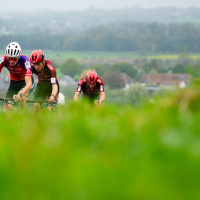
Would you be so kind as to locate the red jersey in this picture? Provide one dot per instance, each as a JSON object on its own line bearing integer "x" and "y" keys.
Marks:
{"x": 20, "y": 70}
{"x": 49, "y": 73}
{"x": 83, "y": 86}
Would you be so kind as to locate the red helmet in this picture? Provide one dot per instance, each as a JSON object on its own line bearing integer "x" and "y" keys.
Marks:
{"x": 91, "y": 77}
{"x": 37, "y": 56}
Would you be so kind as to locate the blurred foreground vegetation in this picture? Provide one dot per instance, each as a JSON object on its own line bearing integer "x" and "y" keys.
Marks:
{"x": 107, "y": 152}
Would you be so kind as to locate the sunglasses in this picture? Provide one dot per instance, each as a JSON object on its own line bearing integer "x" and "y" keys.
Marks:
{"x": 12, "y": 59}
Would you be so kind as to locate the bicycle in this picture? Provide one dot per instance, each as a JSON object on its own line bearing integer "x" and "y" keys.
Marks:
{"x": 44, "y": 104}
{"x": 6, "y": 102}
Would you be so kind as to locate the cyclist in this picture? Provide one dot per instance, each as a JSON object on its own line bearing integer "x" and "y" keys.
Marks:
{"x": 47, "y": 81}
{"x": 92, "y": 87}
{"x": 21, "y": 83}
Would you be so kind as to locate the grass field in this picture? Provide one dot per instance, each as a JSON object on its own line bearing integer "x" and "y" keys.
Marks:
{"x": 109, "y": 152}
{"x": 60, "y": 55}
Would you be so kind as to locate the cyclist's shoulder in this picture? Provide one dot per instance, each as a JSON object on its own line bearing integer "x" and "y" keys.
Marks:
{"x": 4, "y": 56}
{"x": 3, "y": 59}
{"x": 50, "y": 65}
{"x": 82, "y": 81}
{"x": 24, "y": 62}
{"x": 23, "y": 58}
{"x": 100, "y": 81}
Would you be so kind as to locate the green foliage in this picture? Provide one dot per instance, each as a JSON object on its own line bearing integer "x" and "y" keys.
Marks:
{"x": 100, "y": 69}
{"x": 179, "y": 69}
{"x": 124, "y": 68}
{"x": 162, "y": 91}
{"x": 115, "y": 96}
{"x": 136, "y": 93}
{"x": 153, "y": 71}
{"x": 113, "y": 80}
{"x": 68, "y": 91}
{"x": 59, "y": 74}
{"x": 70, "y": 67}
{"x": 106, "y": 152}
{"x": 125, "y": 36}
{"x": 193, "y": 70}
{"x": 140, "y": 73}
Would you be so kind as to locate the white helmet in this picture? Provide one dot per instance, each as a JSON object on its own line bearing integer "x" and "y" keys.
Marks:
{"x": 13, "y": 50}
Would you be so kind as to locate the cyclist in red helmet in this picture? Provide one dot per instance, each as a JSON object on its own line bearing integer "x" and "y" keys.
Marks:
{"x": 92, "y": 87}
{"x": 47, "y": 81}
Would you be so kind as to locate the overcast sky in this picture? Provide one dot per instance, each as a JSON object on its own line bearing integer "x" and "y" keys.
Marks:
{"x": 84, "y": 4}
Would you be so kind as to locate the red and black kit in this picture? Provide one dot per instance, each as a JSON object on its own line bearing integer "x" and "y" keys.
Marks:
{"x": 45, "y": 80}
{"x": 83, "y": 86}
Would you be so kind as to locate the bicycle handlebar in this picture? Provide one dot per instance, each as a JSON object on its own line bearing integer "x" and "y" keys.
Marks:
{"x": 8, "y": 99}
{"x": 37, "y": 101}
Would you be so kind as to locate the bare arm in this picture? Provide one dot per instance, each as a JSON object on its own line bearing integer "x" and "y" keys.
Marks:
{"x": 28, "y": 86}
{"x": 76, "y": 96}
{"x": 54, "y": 89}
{"x": 102, "y": 96}
{"x": 54, "y": 92}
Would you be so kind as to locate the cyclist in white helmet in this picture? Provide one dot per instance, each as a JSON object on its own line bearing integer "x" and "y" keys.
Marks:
{"x": 19, "y": 66}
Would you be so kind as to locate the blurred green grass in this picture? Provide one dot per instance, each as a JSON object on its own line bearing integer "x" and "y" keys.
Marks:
{"x": 108, "y": 152}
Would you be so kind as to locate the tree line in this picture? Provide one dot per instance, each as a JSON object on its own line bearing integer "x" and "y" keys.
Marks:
{"x": 126, "y": 36}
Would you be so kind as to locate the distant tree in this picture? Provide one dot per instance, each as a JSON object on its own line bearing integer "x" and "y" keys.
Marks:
{"x": 124, "y": 68}
{"x": 70, "y": 67}
{"x": 162, "y": 90}
{"x": 154, "y": 65}
{"x": 163, "y": 69}
{"x": 113, "y": 80}
{"x": 179, "y": 69}
{"x": 136, "y": 93}
{"x": 100, "y": 69}
{"x": 115, "y": 95}
{"x": 153, "y": 71}
{"x": 148, "y": 66}
{"x": 83, "y": 74}
{"x": 193, "y": 70}
{"x": 140, "y": 73}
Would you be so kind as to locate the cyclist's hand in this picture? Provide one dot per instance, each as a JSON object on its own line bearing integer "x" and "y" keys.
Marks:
{"x": 16, "y": 97}
{"x": 51, "y": 99}
{"x": 24, "y": 99}
{"x": 97, "y": 102}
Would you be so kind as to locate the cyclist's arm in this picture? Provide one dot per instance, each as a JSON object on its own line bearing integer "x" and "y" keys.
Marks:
{"x": 54, "y": 89}
{"x": 28, "y": 86}
{"x": 76, "y": 96}
{"x": 78, "y": 90}
{"x": 53, "y": 82}
{"x": 2, "y": 62}
{"x": 53, "y": 93}
{"x": 102, "y": 96}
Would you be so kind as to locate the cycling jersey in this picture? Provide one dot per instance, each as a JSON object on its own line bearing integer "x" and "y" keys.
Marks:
{"x": 45, "y": 80}
{"x": 20, "y": 70}
{"x": 83, "y": 86}
{"x": 49, "y": 74}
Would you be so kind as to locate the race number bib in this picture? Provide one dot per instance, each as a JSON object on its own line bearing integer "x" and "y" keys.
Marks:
{"x": 27, "y": 64}
{"x": 1, "y": 59}
{"x": 53, "y": 80}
